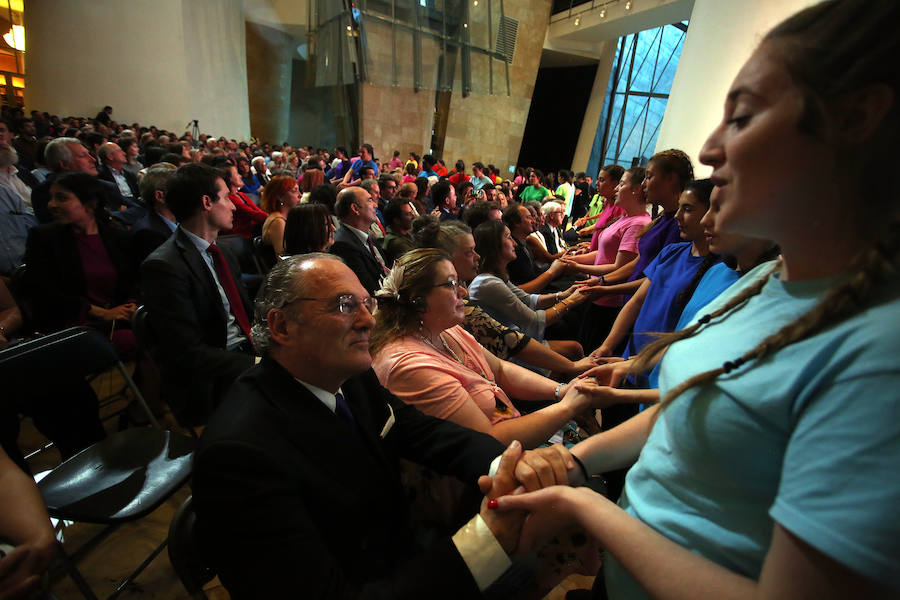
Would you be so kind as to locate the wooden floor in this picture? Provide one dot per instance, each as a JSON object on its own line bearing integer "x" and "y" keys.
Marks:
{"x": 130, "y": 544}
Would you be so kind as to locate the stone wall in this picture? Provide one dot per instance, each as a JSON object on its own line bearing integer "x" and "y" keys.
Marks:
{"x": 489, "y": 128}
{"x": 269, "y": 56}
{"x": 394, "y": 118}
{"x": 481, "y": 126}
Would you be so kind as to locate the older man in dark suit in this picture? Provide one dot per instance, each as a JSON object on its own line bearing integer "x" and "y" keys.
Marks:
{"x": 356, "y": 208}
{"x": 159, "y": 223}
{"x": 198, "y": 307}
{"x": 112, "y": 161}
{"x": 296, "y": 478}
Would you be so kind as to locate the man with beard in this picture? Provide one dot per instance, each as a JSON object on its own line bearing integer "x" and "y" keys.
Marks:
{"x": 10, "y": 175}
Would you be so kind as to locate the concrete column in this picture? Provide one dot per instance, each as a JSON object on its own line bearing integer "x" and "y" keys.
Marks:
{"x": 270, "y": 53}
{"x": 594, "y": 111}
{"x": 721, "y": 36}
{"x": 155, "y": 62}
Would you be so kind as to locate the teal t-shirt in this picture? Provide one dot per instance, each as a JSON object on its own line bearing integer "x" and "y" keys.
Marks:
{"x": 808, "y": 437}
{"x": 716, "y": 280}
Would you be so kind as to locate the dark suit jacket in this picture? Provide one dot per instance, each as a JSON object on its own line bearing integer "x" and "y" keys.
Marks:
{"x": 545, "y": 231}
{"x": 356, "y": 254}
{"x": 522, "y": 269}
{"x": 148, "y": 234}
{"x": 292, "y": 501}
{"x": 54, "y": 277}
{"x": 187, "y": 320}
{"x": 105, "y": 173}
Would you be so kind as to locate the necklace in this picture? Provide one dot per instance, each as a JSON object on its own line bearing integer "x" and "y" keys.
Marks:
{"x": 499, "y": 406}
{"x": 448, "y": 350}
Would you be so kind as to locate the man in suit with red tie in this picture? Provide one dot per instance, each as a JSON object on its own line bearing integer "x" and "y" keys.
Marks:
{"x": 356, "y": 208}
{"x": 198, "y": 307}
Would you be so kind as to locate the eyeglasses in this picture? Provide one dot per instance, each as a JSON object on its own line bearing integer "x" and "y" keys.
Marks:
{"x": 347, "y": 304}
{"x": 451, "y": 283}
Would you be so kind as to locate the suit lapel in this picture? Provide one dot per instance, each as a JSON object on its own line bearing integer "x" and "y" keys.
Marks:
{"x": 318, "y": 427}
{"x": 195, "y": 262}
{"x": 351, "y": 238}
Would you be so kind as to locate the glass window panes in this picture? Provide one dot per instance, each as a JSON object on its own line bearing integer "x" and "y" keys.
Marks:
{"x": 635, "y": 103}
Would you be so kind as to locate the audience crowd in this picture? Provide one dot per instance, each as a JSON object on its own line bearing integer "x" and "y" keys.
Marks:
{"x": 709, "y": 357}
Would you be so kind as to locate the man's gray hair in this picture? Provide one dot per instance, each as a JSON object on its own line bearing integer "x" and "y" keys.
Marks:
{"x": 368, "y": 184}
{"x": 155, "y": 179}
{"x": 282, "y": 285}
{"x": 57, "y": 152}
{"x": 105, "y": 149}
{"x": 549, "y": 207}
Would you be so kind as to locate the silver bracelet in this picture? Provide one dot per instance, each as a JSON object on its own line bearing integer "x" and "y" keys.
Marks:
{"x": 556, "y": 392}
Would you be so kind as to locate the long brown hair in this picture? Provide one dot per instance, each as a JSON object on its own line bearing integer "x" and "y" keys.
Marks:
{"x": 829, "y": 49}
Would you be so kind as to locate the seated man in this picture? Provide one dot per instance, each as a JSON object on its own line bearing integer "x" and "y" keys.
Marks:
{"x": 353, "y": 241}
{"x": 198, "y": 306}
{"x": 159, "y": 223}
{"x": 399, "y": 216}
{"x": 523, "y": 271}
{"x": 296, "y": 478}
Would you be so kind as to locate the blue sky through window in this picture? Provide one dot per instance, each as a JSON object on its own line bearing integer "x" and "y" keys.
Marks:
{"x": 643, "y": 72}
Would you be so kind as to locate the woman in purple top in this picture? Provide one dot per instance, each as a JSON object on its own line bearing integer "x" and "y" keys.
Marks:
{"x": 81, "y": 270}
{"x": 667, "y": 174}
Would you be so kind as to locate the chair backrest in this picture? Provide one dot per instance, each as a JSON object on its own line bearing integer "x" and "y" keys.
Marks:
{"x": 184, "y": 551}
{"x": 242, "y": 248}
{"x": 79, "y": 350}
{"x": 264, "y": 253}
{"x": 142, "y": 331}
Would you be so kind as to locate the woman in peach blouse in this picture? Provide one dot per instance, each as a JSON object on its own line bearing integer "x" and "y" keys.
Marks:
{"x": 425, "y": 358}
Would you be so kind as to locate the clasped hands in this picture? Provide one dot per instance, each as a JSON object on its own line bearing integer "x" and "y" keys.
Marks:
{"x": 523, "y": 517}
{"x": 520, "y": 472}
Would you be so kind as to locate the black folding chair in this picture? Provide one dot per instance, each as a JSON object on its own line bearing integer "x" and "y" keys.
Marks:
{"x": 123, "y": 478}
{"x": 184, "y": 553}
{"x": 79, "y": 350}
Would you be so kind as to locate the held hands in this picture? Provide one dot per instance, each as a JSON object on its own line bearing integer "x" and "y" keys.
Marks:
{"x": 521, "y": 472}
{"x": 550, "y": 510}
{"x": 506, "y": 527}
{"x": 558, "y": 267}
{"x": 611, "y": 371}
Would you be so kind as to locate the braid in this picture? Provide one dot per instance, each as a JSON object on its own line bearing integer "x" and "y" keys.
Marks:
{"x": 870, "y": 268}
{"x": 645, "y": 360}
{"x": 685, "y": 295}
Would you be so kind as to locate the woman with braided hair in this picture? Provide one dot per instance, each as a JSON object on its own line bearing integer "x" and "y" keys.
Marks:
{"x": 770, "y": 467}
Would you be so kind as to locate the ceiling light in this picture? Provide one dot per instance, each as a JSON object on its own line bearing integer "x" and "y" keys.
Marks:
{"x": 602, "y": 13}
{"x": 628, "y": 5}
{"x": 475, "y": 3}
{"x": 577, "y": 21}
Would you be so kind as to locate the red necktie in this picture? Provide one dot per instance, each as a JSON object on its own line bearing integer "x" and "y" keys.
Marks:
{"x": 377, "y": 256}
{"x": 231, "y": 292}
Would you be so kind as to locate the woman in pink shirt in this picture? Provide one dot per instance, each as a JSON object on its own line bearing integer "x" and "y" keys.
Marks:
{"x": 616, "y": 246}
{"x": 425, "y": 358}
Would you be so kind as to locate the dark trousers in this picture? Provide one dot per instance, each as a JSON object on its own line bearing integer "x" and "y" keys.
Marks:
{"x": 63, "y": 407}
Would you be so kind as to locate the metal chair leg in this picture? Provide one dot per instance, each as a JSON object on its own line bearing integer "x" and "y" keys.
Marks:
{"x": 75, "y": 574}
{"x": 137, "y": 394}
{"x": 124, "y": 583}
